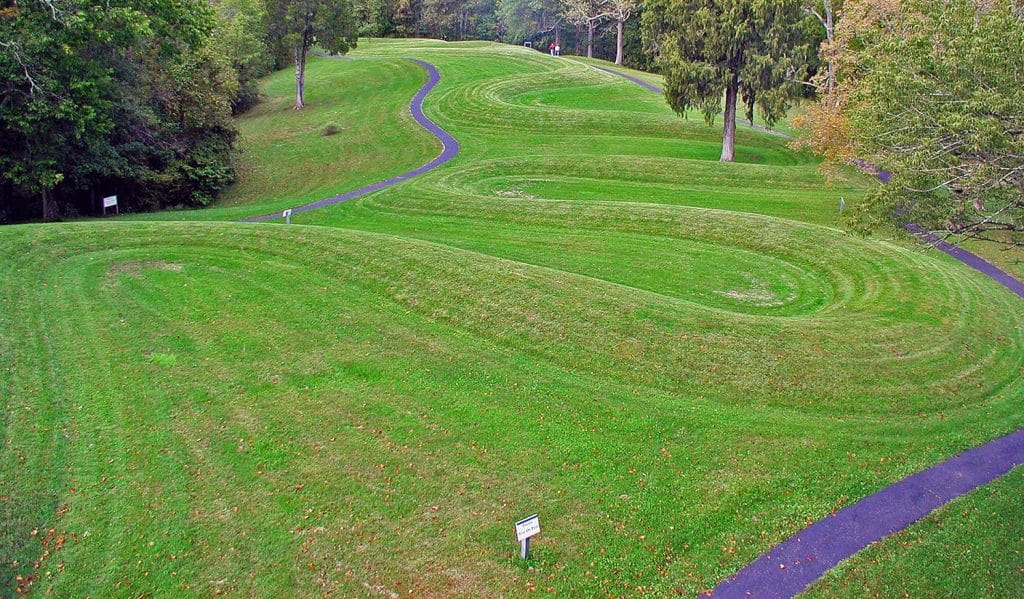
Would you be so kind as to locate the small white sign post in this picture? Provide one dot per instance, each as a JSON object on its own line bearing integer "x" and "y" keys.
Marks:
{"x": 287, "y": 214}
{"x": 526, "y": 528}
{"x": 110, "y": 202}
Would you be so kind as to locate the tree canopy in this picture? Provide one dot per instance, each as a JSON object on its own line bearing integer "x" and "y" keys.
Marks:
{"x": 120, "y": 97}
{"x": 295, "y": 25}
{"x": 932, "y": 92}
{"x": 752, "y": 51}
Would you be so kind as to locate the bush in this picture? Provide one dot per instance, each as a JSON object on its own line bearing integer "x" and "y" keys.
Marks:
{"x": 331, "y": 129}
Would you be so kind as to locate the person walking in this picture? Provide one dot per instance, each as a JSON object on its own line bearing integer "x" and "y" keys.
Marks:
{"x": 551, "y": 48}
{"x": 558, "y": 50}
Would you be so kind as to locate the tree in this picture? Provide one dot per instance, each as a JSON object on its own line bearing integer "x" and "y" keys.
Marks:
{"x": 456, "y": 19}
{"x": 826, "y": 13}
{"x": 588, "y": 13}
{"x": 50, "y": 99}
{"x": 750, "y": 50}
{"x": 621, "y": 10}
{"x": 130, "y": 99}
{"x": 932, "y": 93}
{"x": 526, "y": 20}
{"x": 295, "y": 25}
{"x": 240, "y": 37}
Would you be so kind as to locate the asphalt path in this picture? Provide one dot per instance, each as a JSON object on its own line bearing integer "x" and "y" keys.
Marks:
{"x": 793, "y": 565}
{"x": 450, "y": 149}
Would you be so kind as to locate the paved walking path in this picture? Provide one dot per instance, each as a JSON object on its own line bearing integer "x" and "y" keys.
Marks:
{"x": 450, "y": 151}
{"x": 654, "y": 88}
{"x": 791, "y": 566}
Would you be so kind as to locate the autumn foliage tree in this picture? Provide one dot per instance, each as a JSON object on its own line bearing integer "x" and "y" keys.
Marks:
{"x": 750, "y": 51}
{"x": 933, "y": 93}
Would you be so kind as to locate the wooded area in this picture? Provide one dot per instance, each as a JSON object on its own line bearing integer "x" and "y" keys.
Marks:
{"x": 137, "y": 98}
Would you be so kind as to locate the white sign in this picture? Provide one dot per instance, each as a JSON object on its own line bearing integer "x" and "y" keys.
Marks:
{"x": 110, "y": 202}
{"x": 527, "y": 527}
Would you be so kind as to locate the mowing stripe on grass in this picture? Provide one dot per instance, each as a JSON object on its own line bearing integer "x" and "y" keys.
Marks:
{"x": 656, "y": 89}
{"x": 450, "y": 149}
{"x": 793, "y": 565}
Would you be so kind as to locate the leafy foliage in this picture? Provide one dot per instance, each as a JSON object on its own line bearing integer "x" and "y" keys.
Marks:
{"x": 240, "y": 37}
{"x": 126, "y": 98}
{"x": 933, "y": 93}
{"x": 295, "y": 25}
{"x": 753, "y": 50}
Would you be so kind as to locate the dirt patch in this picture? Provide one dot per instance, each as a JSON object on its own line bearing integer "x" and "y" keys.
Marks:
{"x": 514, "y": 193}
{"x": 134, "y": 267}
{"x": 758, "y": 294}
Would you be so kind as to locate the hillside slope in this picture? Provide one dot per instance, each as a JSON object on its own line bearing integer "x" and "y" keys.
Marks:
{"x": 676, "y": 362}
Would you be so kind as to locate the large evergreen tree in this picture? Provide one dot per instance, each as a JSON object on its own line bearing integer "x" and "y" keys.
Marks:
{"x": 747, "y": 50}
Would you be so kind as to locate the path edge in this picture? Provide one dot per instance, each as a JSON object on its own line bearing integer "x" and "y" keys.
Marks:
{"x": 449, "y": 150}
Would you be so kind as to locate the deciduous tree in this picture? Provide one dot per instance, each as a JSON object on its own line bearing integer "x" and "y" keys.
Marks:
{"x": 621, "y": 10}
{"x": 296, "y": 25}
{"x": 590, "y": 14}
{"x": 826, "y": 12}
{"x": 932, "y": 92}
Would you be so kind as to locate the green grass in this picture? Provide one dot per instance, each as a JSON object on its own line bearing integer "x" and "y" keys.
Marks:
{"x": 973, "y": 546}
{"x": 676, "y": 362}
{"x": 286, "y": 160}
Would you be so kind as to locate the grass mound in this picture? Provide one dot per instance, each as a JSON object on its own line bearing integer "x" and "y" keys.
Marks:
{"x": 676, "y": 362}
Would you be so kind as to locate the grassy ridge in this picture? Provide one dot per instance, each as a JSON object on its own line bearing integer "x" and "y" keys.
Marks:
{"x": 285, "y": 159}
{"x": 584, "y": 315}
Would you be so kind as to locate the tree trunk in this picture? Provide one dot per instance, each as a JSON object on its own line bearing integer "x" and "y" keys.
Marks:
{"x": 300, "y": 78}
{"x": 49, "y": 206}
{"x": 729, "y": 129}
{"x": 618, "y": 43}
{"x": 830, "y": 34}
{"x": 590, "y": 38}
{"x": 558, "y": 33}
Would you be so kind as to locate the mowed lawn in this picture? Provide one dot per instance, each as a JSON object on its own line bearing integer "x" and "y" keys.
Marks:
{"x": 677, "y": 363}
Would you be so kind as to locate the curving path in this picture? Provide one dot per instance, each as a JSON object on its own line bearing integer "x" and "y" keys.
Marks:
{"x": 654, "y": 88}
{"x": 450, "y": 151}
{"x": 791, "y": 566}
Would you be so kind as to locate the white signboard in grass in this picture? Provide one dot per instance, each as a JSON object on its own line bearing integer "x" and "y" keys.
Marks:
{"x": 527, "y": 527}
{"x": 110, "y": 202}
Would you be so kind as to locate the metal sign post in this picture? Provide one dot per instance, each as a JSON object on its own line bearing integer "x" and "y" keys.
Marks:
{"x": 526, "y": 528}
{"x": 287, "y": 214}
{"x": 110, "y": 202}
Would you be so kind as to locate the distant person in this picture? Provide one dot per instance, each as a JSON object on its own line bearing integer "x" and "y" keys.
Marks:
{"x": 551, "y": 48}
{"x": 558, "y": 50}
